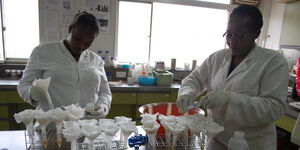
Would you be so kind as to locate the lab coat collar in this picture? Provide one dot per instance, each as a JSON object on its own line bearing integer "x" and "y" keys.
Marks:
{"x": 250, "y": 56}
{"x": 244, "y": 64}
{"x": 67, "y": 52}
{"x": 63, "y": 47}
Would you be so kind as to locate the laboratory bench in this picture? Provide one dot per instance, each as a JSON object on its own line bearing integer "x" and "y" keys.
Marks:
{"x": 126, "y": 101}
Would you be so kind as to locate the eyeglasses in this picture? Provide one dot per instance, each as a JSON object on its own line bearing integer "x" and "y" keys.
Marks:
{"x": 237, "y": 36}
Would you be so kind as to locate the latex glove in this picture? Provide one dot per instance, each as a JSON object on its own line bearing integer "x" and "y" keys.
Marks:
{"x": 37, "y": 94}
{"x": 100, "y": 111}
{"x": 214, "y": 99}
{"x": 184, "y": 101}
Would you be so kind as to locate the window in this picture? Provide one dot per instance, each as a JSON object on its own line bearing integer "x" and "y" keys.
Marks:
{"x": 134, "y": 31}
{"x": 173, "y": 31}
{"x": 1, "y": 34}
{"x": 21, "y": 24}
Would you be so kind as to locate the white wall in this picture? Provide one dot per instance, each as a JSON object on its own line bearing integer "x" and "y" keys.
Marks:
{"x": 106, "y": 41}
{"x": 274, "y": 32}
{"x": 265, "y": 8}
{"x": 275, "y": 24}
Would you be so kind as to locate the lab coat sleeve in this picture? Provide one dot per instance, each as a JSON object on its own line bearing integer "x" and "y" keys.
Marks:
{"x": 105, "y": 95}
{"x": 196, "y": 82}
{"x": 32, "y": 72}
{"x": 269, "y": 105}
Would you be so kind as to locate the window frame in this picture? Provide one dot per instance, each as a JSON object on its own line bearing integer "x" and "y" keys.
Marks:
{"x": 2, "y": 33}
{"x": 9, "y": 60}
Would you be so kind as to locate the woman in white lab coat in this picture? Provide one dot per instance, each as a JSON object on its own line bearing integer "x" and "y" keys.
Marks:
{"x": 246, "y": 84}
{"x": 77, "y": 74}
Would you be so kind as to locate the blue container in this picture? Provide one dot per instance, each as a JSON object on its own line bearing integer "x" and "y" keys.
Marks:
{"x": 147, "y": 81}
{"x": 126, "y": 66}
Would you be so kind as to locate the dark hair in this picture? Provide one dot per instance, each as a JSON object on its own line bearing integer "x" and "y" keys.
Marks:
{"x": 252, "y": 12}
{"x": 83, "y": 18}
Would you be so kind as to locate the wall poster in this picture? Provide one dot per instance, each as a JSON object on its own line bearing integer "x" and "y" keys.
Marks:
{"x": 101, "y": 9}
{"x": 58, "y": 15}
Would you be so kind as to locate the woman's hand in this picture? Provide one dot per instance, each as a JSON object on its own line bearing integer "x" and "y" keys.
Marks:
{"x": 184, "y": 101}
{"x": 37, "y": 94}
{"x": 214, "y": 99}
{"x": 100, "y": 111}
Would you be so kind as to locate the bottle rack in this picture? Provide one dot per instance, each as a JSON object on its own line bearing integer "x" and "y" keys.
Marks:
{"x": 194, "y": 143}
{"x": 81, "y": 144}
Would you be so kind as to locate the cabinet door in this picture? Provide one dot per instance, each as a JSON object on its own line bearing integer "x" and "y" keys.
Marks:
{"x": 146, "y": 98}
{"x": 3, "y": 112}
{"x": 4, "y": 125}
{"x": 10, "y": 97}
{"x": 126, "y": 110}
{"x": 123, "y": 98}
{"x": 290, "y": 33}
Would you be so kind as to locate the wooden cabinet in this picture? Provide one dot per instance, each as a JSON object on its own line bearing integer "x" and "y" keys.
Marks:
{"x": 128, "y": 103}
{"x": 10, "y": 97}
{"x": 290, "y": 32}
{"x": 122, "y": 110}
{"x": 3, "y": 111}
{"x": 146, "y": 98}
{"x": 124, "y": 103}
{"x": 4, "y": 125}
{"x": 11, "y": 103}
{"x": 123, "y": 98}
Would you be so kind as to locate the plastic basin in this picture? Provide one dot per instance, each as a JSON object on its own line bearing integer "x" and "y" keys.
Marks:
{"x": 166, "y": 109}
{"x": 147, "y": 81}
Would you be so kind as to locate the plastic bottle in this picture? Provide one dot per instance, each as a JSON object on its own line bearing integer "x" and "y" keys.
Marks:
{"x": 297, "y": 71}
{"x": 238, "y": 142}
{"x": 107, "y": 59}
{"x": 194, "y": 64}
{"x": 130, "y": 80}
{"x": 113, "y": 62}
{"x": 103, "y": 58}
{"x": 173, "y": 64}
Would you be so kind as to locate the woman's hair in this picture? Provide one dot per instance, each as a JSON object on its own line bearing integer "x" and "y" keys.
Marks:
{"x": 83, "y": 18}
{"x": 252, "y": 12}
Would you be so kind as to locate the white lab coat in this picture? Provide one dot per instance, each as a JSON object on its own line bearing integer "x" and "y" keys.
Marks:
{"x": 72, "y": 82}
{"x": 258, "y": 92}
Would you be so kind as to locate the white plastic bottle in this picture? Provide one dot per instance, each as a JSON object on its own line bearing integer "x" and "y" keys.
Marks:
{"x": 113, "y": 62}
{"x": 130, "y": 80}
{"x": 238, "y": 142}
{"x": 107, "y": 59}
